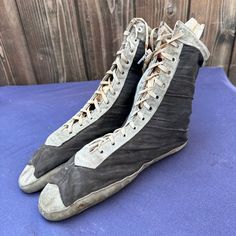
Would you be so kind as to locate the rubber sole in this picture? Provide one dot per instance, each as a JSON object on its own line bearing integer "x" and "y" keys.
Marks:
{"x": 100, "y": 195}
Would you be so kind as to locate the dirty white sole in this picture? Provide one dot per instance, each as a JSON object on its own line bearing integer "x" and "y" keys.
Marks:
{"x": 95, "y": 197}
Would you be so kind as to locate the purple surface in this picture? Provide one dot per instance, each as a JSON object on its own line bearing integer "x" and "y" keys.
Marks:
{"x": 190, "y": 193}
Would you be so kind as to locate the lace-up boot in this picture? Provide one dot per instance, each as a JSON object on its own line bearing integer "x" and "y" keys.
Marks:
{"x": 156, "y": 128}
{"x": 105, "y": 111}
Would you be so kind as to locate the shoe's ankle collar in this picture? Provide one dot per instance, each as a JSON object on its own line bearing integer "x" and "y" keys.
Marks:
{"x": 189, "y": 38}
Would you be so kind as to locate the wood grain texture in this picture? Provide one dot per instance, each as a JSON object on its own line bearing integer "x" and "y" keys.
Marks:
{"x": 45, "y": 41}
{"x": 6, "y": 76}
{"x": 219, "y": 16}
{"x": 53, "y": 38}
{"x": 155, "y": 11}
{"x": 232, "y": 65}
{"x": 15, "y": 62}
{"x": 102, "y": 23}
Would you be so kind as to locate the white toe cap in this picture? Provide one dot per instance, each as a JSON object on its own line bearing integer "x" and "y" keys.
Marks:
{"x": 50, "y": 202}
{"x": 27, "y": 178}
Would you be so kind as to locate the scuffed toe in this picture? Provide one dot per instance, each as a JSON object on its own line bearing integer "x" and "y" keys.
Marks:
{"x": 50, "y": 203}
{"x": 27, "y": 179}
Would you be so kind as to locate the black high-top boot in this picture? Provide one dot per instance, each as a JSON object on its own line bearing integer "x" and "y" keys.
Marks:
{"x": 106, "y": 111}
{"x": 156, "y": 128}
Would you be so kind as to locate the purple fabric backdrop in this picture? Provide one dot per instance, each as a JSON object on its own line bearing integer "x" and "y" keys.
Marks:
{"x": 190, "y": 193}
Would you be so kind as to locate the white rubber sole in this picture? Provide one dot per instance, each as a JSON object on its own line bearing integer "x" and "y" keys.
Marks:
{"x": 100, "y": 195}
{"x": 41, "y": 182}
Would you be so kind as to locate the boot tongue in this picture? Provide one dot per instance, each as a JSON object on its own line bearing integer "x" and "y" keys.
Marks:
{"x": 196, "y": 28}
{"x": 191, "y": 24}
{"x": 164, "y": 29}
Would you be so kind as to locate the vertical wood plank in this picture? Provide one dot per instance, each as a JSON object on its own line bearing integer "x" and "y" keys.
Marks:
{"x": 6, "y": 76}
{"x": 219, "y": 16}
{"x": 232, "y": 65}
{"x": 51, "y": 30}
{"x": 155, "y": 11}
{"x": 102, "y": 23}
{"x": 15, "y": 64}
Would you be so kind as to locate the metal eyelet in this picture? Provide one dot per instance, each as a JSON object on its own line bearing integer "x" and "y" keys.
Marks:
{"x": 140, "y": 29}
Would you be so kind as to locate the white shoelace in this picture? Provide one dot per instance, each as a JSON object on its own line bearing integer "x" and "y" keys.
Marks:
{"x": 147, "y": 92}
{"x": 109, "y": 79}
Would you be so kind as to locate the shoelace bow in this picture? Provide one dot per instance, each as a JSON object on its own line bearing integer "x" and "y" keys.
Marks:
{"x": 147, "y": 92}
{"x": 109, "y": 79}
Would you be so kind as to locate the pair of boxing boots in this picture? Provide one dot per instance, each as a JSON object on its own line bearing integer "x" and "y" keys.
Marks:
{"x": 138, "y": 115}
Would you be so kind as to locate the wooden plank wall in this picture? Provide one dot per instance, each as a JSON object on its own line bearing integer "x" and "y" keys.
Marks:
{"x": 47, "y": 41}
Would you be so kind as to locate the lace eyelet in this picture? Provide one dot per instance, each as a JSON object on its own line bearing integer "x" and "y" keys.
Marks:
{"x": 140, "y": 29}
{"x": 118, "y": 83}
{"x": 136, "y": 40}
{"x": 157, "y": 96}
{"x": 132, "y": 51}
{"x": 107, "y": 102}
{"x": 123, "y": 73}
{"x": 134, "y": 127}
{"x": 101, "y": 151}
{"x": 163, "y": 85}
{"x": 173, "y": 59}
{"x": 113, "y": 144}
{"x": 169, "y": 72}
{"x": 127, "y": 62}
{"x": 150, "y": 108}
{"x": 143, "y": 118}
{"x": 114, "y": 94}
{"x": 124, "y": 135}
{"x": 70, "y": 132}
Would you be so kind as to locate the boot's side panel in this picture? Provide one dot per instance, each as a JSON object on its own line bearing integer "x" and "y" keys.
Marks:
{"x": 114, "y": 117}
